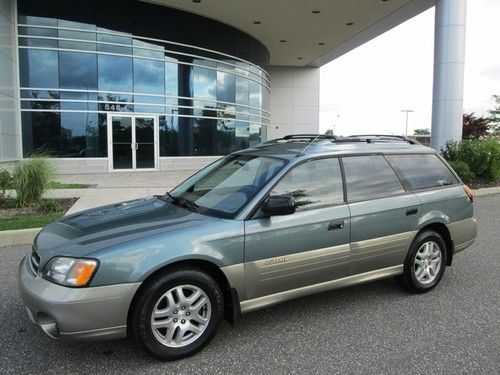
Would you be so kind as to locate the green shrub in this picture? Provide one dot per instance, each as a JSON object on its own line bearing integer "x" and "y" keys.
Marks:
{"x": 5, "y": 182}
{"x": 31, "y": 178}
{"x": 462, "y": 170}
{"x": 48, "y": 206}
{"x": 482, "y": 156}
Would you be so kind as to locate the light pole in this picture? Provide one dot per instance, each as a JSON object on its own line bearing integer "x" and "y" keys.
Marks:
{"x": 407, "y": 111}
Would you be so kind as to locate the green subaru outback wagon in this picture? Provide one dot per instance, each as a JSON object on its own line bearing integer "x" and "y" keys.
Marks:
{"x": 298, "y": 215}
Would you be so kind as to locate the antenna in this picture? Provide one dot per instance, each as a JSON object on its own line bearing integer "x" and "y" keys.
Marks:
{"x": 310, "y": 143}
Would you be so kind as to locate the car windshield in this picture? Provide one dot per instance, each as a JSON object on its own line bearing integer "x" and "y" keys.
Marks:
{"x": 223, "y": 188}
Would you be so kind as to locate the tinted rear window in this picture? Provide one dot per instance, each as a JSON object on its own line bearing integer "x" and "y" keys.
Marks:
{"x": 422, "y": 171}
{"x": 369, "y": 177}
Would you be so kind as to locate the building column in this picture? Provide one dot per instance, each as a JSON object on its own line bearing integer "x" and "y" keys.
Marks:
{"x": 294, "y": 101}
{"x": 449, "y": 51}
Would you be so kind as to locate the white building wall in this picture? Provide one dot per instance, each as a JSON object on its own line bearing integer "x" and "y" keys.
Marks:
{"x": 10, "y": 134}
{"x": 294, "y": 101}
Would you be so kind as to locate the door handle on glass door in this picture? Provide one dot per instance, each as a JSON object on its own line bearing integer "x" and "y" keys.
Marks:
{"x": 334, "y": 225}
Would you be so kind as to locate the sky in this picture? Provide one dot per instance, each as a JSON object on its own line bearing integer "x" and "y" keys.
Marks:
{"x": 365, "y": 90}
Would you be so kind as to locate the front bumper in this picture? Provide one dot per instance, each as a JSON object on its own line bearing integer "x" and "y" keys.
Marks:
{"x": 75, "y": 313}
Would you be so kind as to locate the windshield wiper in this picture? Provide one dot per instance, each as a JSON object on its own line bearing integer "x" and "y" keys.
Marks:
{"x": 183, "y": 202}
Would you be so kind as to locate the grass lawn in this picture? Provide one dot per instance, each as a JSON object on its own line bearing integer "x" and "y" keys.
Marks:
{"x": 24, "y": 222}
{"x": 60, "y": 185}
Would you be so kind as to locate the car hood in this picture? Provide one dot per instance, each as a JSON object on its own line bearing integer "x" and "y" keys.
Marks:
{"x": 88, "y": 231}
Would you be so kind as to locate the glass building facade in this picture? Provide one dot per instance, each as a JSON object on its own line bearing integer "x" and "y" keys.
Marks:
{"x": 100, "y": 78}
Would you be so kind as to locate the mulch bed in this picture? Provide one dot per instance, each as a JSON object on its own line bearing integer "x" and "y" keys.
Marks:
{"x": 7, "y": 211}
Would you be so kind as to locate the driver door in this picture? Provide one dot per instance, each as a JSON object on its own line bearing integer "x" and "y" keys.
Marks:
{"x": 307, "y": 247}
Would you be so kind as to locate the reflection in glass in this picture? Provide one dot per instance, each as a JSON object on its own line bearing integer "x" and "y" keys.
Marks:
{"x": 225, "y": 86}
{"x": 301, "y": 184}
{"x": 118, "y": 39}
{"x": 78, "y": 70}
{"x": 122, "y": 142}
{"x": 39, "y": 68}
{"x": 149, "y": 76}
{"x": 144, "y": 137}
{"x": 115, "y": 73}
{"x": 370, "y": 177}
{"x": 171, "y": 81}
{"x": 203, "y": 108}
{"x": 79, "y": 135}
{"x": 204, "y": 83}
{"x": 41, "y": 133}
{"x": 81, "y": 35}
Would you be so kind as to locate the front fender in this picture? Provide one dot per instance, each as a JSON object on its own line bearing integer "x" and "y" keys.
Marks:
{"x": 220, "y": 243}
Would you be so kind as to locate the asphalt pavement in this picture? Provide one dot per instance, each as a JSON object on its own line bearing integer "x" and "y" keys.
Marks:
{"x": 373, "y": 328}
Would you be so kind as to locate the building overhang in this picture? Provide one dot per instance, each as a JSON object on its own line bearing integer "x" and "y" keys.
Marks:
{"x": 306, "y": 33}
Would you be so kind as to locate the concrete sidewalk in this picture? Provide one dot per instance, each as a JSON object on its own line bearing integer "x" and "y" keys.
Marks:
{"x": 95, "y": 197}
{"x": 117, "y": 187}
{"x": 163, "y": 179}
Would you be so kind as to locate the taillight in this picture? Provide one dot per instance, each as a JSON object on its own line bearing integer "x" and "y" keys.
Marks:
{"x": 470, "y": 193}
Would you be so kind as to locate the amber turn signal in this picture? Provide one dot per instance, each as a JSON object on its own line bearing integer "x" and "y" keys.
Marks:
{"x": 82, "y": 272}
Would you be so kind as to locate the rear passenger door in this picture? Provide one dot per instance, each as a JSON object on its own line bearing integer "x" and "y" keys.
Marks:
{"x": 307, "y": 247}
{"x": 383, "y": 214}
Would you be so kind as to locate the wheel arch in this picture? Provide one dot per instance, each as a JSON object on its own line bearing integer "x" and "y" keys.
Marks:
{"x": 230, "y": 295}
{"x": 444, "y": 232}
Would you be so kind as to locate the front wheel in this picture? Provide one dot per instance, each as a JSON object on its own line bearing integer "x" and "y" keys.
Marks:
{"x": 177, "y": 313}
{"x": 425, "y": 263}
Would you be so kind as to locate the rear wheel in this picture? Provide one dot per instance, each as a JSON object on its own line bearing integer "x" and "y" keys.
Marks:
{"x": 425, "y": 263}
{"x": 177, "y": 313}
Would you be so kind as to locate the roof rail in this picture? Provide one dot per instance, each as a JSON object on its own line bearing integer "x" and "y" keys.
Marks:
{"x": 369, "y": 138}
{"x": 308, "y": 136}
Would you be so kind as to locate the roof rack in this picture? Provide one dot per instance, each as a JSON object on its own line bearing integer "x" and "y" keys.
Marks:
{"x": 308, "y": 136}
{"x": 363, "y": 138}
{"x": 371, "y": 138}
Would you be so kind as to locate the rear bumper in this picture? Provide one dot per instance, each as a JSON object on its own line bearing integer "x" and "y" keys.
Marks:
{"x": 463, "y": 233}
{"x": 74, "y": 313}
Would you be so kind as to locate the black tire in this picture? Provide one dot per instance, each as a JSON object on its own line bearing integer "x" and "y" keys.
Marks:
{"x": 140, "y": 318}
{"x": 408, "y": 279}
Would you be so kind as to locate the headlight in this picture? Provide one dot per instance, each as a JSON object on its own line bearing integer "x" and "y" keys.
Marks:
{"x": 70, "y": 271}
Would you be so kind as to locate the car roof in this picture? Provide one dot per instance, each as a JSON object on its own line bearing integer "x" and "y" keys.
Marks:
{"x": 294, "y": 146}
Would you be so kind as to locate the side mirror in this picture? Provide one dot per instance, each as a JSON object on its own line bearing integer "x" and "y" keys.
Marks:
{"x": 279, "y": 205}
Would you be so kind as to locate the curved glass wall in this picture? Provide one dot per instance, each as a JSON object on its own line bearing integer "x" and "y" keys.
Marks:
{"x": 73, "y": 74}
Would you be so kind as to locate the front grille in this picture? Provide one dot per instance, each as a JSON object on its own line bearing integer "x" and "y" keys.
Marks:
{"x": 34, "y": 260}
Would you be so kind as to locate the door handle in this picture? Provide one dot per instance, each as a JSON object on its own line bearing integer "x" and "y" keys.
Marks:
{"x": 411, "y": 211}
{"x": 334, "y": 225}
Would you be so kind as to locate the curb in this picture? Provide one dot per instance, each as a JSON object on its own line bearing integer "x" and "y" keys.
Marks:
{"x": 18, "y": 236}
{"x": 487, "y": 191}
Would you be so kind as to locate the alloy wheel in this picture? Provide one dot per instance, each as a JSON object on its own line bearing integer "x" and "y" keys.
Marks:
{"x": 428, "y": 262}
{"x": 180, "y": 316}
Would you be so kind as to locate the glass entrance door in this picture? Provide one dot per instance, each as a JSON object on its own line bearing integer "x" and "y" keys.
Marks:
{"x": 133, "y": 144}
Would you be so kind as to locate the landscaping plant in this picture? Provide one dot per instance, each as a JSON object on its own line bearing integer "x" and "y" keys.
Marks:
{"x": 5, "y": 182}
{"x": 481, "y": 156}
{"x": 462, "y": 170}
{"x": 31, "y": 178}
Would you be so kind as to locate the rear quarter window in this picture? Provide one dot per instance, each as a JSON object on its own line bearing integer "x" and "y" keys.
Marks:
{"x": 370, "y": 177}
{"x": 422, "y": 171}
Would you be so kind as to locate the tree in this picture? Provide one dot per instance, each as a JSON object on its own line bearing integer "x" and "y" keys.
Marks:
{"x": 495, "y": 115}
{"x": 329, "y": 132}
{"x": 425, "y": 131}
{"x": 474, "y": 127}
